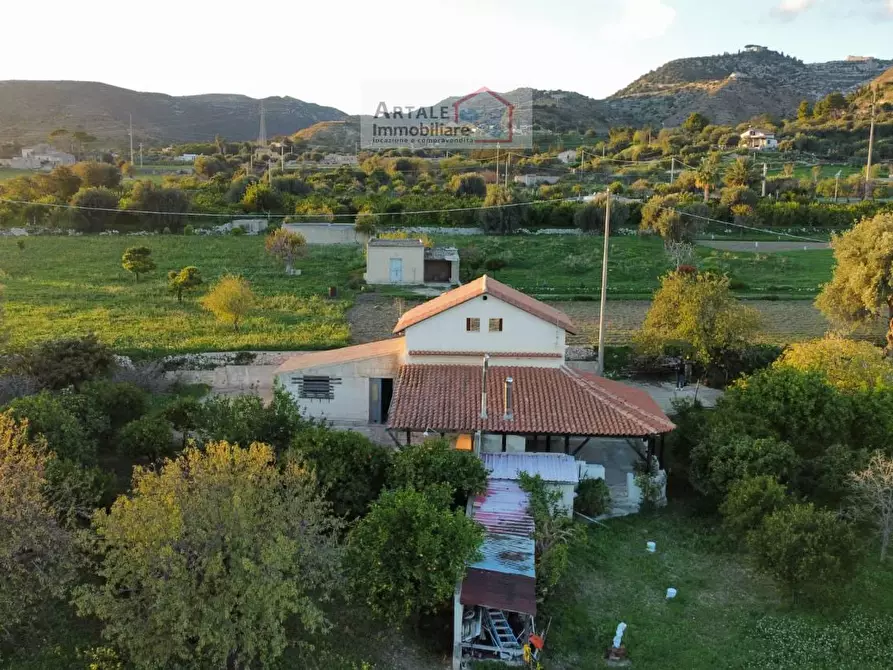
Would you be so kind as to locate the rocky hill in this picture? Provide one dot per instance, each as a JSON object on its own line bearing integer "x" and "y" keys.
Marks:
{"x": 332, "y": 135}
{"x": 731, "y": 88}
{"x": 29, "y": 110}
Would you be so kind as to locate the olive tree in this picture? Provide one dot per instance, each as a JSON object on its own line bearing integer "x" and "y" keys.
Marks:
{"x": 207, "y": 559}
{"x": 286, "y": 247}
{"x": 230, "y": 300}
{"x": 138, "y": 260}
{"x": 872, "y": 496}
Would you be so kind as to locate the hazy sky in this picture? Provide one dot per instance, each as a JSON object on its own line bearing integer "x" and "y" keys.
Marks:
{"x": 412, "y": 52}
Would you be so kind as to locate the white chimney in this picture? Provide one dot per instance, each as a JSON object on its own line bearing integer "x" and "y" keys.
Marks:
{"x": 507, "y": 400}
{"x": 484, "y": 386}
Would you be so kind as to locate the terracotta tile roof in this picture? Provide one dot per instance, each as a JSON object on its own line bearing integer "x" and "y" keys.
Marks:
{"x": 480, "y": 354}
{"x": 546, "y": 400}
{"x": 478, "y": 287}
{"x": 313, "y": 359}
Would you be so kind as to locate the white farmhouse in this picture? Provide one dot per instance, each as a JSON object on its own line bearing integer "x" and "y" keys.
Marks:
{"x": 409, "y": 262}
{"x": 40, "y": 157}
{"x": 480, "y": 359}
{"x": 536, "y": 179}
{"x": 569, "y": 156}
{"x": 759, "y": 140}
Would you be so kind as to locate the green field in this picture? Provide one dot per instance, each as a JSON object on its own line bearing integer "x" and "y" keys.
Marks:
{"x": 725, "y": 614}
{"x": 61, "y": 286}
{"x": 9, "y": 173}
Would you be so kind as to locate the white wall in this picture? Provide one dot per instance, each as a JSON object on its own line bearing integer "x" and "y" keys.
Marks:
{"x": 324, "y": 233}
{"x": 378, "y": 264}
{"x": 351, "y": 401}
{"x": 521, "y": 332}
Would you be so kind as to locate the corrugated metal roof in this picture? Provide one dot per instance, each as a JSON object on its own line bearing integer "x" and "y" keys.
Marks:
{"x": 551, "y": 467}
{"x": 505, "y": 576}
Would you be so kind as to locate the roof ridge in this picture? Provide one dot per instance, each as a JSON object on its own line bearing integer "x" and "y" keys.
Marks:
{"x": 600, "y": 391}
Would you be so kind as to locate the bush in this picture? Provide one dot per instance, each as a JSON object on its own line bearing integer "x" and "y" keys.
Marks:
{"x": 50, "y": 416}
{"x": 433, "y": 464}
{"x": 75, "y": 491}
{"x": 58, "y": 364}
{"x": 806, "y": 549}
{"x": 351, "y": 468}
{"x": 148, "y": 437}
{"x": 593, "y": 498}
{"x": 717, "y": 464}
{"x": 120, "y": 402}
{"x": 495, "y": 263}
{"x": 749, "y": 501}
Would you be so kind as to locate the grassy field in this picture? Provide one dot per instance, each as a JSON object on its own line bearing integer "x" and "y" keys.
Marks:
{"x": 724, "y": 616}
{"x": 9, "y": 173}
{"x": 60, "y": 286}
{"x": 568, "y": 266}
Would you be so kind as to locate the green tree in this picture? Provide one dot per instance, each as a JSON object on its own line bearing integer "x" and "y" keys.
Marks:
{"x": 97, "y": 175}
{"x": 707, "y": 174}
{"x": 351, "y": 468}
{"x": 407, "y": 554}
{"x": 230, "y": 300}
{"x": 862, "y": 283}
{"x": 119, "y": 402}
{"x": 261, "y": 197}
{"x": 209, "y": 557}
{"x": 50, "y": 418}
{"x": 806, "y": 549}
{"x": 716, "y": 464}
{"x": 58, "y": 364}
{"x": 208, "y": 166}
{"x": 749, "y": 501}
{"x": 138, "y": 260}
{"x": 872, "y": 496}
{"x": 286, "y": 247}
{"x": 169, "y": 206}
{"x": 591, "y": 216}
{"x": 848, "y": 365}
{"x": 469, "y": 183}
{"x": 804, "y": 110}
{"x": 434, "y": 463}
{"x": 696, "y": 122}
{"x": 697, "y": 314}
{"x": 97, "y": 209}
{"x": 146, "y": 437}
{"x": 740, "y": 173}
{"x": 500, "y": 216}
{"x": 186, "y": 279}
{"x": 37, "y": 560}
{"x": 185, "y": 414}
{"x": 664, "y": 216}
{"x": 364, "y": 223}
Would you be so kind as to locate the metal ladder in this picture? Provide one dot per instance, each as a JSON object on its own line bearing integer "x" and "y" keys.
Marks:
{"x": 502, "y": 634}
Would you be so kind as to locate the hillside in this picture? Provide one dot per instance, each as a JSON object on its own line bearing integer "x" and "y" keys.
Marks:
{"x": 29, "y": 110}
{"x": 332, "y": 135}
{"x": 731, "y": 88}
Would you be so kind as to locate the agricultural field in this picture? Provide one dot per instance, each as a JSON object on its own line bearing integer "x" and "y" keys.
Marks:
{"x": 725, "y": 615}
{"x": 65, "y": 286}
{"x": 9, "y": 173}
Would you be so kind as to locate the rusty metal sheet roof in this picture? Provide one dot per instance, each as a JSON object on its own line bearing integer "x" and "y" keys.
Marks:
{"x": 557, "y": 468}
{"x": 500, "y": 591}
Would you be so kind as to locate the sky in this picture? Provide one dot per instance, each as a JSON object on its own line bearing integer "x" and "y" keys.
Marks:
{"x": 351, "y": 53}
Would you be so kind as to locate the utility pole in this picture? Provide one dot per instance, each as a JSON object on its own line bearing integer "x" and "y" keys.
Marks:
{"x": 600, "y": 369}
{"x": 765, "y": 172}
{"x": 141, "y": 154}
{"x": 131, "y": 139}
{"x": 870, "y": 147}
{"x": 508, "y": 162}
{"x": 672, "y": 169}
{"x": 836, "y": 184}
{"x": 497, "y": 165}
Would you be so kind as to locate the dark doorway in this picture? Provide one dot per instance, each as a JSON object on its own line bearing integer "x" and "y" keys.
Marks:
{"x": 381, "y": 390}
{"x": 437, "y": 271}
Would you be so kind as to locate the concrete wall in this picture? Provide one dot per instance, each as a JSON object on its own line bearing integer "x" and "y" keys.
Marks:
{"x": 351, "y": 396}
{"x": 378, "y": 264}
{"x": 328, "y": 233}
{"x": 521, "y": 332}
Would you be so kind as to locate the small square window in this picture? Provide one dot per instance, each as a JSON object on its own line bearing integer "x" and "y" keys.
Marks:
{"x": 473, "y": 325}
{"x": 495, "y": 325}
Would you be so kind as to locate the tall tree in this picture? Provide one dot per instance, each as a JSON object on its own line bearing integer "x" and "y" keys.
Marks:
{"x": 36, "y": 555}
{"x": 499, "y": 215}
{"x": 138, "y": 260}
{"x": 97, "y": 209}
{"x": 862, "y": 283}
{"x": 707, "y": 174}
{"x": 210, "y": 556}
{"x": 696, "y": 122}
{"x": 185, "y": 280}
{"x": 804, "y": 111}
{"x": 230, "y": 300}
{"x": 872, "y": 496}
{"x": 739, "y": 173}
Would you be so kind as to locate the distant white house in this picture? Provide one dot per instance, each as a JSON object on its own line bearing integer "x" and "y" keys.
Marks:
{"x": 536, "y": 179}
{"x": 755, "y": 48}
{"x": 315, "y": 232}
{"x": 40, "y": 157}
{"x": 758, "y": 140}
{"x": 185, "y": 158}
{"x": 339, "y": 159}
{"x": 410, "y": 262}
{"x": 569, "y": 156}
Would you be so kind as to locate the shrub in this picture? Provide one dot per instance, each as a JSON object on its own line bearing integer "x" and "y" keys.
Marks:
{"x": 435, "y": 463}
{"x": 593, "y": 498}
{"x": 495, "y": 263}
{"x": 716, "y": 465}
{"x": 148, "y": 437}
{"x": 69, "y": 362}
{"x": 120, "y": 402}
{"x": 806, "y": 549}
{"x": 50, "y": 416}
{"x": 351, "y": 468}
{"x": 76, "y": 491}
{"x": 749, "y": 501}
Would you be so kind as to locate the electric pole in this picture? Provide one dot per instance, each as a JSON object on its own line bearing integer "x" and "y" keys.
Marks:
{"x": 131, "y": 139}
{"x": 497, "y": 165}
{"x": 672, "y": 169}
{"x": 600, "y": 369}
{"x": 836, "y": 184}
{"x": 765, "y": 172}
{"x": 870, "y": 147}
{"x": 508, "y": 162}
{"x": 141, "y": 154}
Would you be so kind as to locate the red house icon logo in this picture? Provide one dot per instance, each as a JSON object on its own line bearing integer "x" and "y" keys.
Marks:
{"x": 485, "y": 95}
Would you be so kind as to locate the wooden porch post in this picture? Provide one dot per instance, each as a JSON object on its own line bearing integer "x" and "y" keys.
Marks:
{"x": 567, "y": 444}
{"x": 504, "y": 441}
{"x": 408, "y": 437}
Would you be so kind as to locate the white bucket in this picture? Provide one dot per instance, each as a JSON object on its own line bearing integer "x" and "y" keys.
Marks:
{"x": 651, "y": 547}
{"x": 671, "y": 593}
